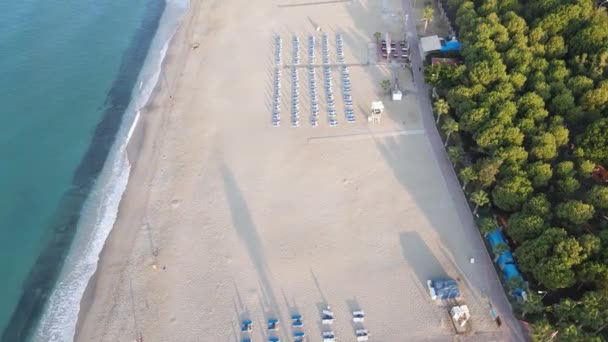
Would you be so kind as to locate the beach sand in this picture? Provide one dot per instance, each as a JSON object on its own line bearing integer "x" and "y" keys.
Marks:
{"x": 228, "y": 218}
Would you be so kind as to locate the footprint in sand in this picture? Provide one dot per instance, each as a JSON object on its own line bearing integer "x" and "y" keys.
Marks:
{"x": 175, "y": 203}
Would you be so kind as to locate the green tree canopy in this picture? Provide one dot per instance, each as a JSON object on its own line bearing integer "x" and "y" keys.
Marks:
{"x": 509, "y": 194}
{"x": 594, "y": 141}
{"x": 595, "y": 273}
{"x": 540, "y": 173}
{"x": 487, "y": 168}
{"x": 565, "y": 169}
{"x": 524, "y": 226}
{"x": 544, "y": 147}
{"x": 598, "y": 197}
{"x": 596, "y": 98}
{"x": 559, "y": 130}
{"x": 574, "y": 212}
{"x": 539, "y": 205}
{"x": 512, "y": 155}
{"x": 551, "y": 257}
{"x": 580, "y": 84}
{"x": 567, "y": 186}
{"x": 585, "y": 168}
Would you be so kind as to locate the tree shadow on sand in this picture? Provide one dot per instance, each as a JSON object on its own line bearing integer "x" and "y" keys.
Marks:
{"x": 418, "y": 255}
{"x": 247, "y": 232}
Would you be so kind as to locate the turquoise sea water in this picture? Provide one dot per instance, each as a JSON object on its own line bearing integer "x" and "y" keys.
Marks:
{"x": 68, "y": 74}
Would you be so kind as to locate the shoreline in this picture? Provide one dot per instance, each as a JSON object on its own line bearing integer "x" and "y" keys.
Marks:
{"x": 42, "y": 288}
{"x": 146, "y": 128}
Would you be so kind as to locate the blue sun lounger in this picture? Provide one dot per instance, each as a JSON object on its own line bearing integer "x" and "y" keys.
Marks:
{"x": 247, "y": 326}
{"x": 273, "y": 324}
{"x": 298, "y": 336}
{"x": 297, "y": 321}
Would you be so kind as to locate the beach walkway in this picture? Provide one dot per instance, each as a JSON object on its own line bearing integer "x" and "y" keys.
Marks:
{"x": 512, "y": 328}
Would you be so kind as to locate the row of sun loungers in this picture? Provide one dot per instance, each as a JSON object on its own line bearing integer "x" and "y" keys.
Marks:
{"x": 276, "y": 101}
{"x": 314, "y": 100}
{"x": 327, "y": 318}
{"x": 331, "y": 102}
{"x": 348, "y": 101}
{"x": 295, "y": 99}
{"x": 295, "y": 110}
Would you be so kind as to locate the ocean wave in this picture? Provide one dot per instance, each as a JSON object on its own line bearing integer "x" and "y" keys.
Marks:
{"x": 58, "y": 322}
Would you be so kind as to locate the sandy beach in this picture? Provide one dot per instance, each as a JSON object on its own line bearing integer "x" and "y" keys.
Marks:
{"x": 227, "y": 218}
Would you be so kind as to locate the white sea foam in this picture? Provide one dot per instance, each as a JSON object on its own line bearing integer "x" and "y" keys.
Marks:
{"x": 58, "y": 322}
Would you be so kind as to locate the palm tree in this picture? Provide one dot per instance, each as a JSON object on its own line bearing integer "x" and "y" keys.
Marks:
{"x": 427, "y": 16}
{"x": 499, "y": 249}
{"x": 533, "y": 304}
{"x": 455, "y": 154}
{"x": 480, "y": 198}
{"x": 542, "y": 331}
{"x": 377, "y": 35}
{"x": 441, "y": 107}
{"x": 449, "y": 126}
{"x": 515, "y": 282}
{"x": 486, "y": 225}
{"x": 385, "y": 84}
{"x": 467, "y": 175}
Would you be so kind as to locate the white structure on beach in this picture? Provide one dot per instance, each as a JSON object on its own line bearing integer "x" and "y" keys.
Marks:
{"x": 397, "y": 94}
{"x": 376, "y": 112}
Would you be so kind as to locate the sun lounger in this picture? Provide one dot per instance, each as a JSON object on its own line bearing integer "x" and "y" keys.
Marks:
{"x": 246, "y": 340}
{"x": 274, "y": 339}
{"x": 358, "y": 316}
{"x": 297, "y": 321}
{"x": 329, "y": 336}
{"x": 247, "y": 326}
{"x": 362, "y": 335}
{"x": 327, "y": 316}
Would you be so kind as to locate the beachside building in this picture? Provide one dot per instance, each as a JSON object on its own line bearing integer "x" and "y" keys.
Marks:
{"x": 449, "y": 61}
{"x": 434, "y": 43}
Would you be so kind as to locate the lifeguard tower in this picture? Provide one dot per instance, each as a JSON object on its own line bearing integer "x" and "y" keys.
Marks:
{"x": 376, "y": 112}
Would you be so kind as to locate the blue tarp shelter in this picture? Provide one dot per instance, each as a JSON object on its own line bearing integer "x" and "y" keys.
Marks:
{"x": 450, "y": 45}
{"x": 505, "y": 261}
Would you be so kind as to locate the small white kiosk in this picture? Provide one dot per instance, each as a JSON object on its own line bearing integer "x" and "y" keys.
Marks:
{"x": 376, "y": 112}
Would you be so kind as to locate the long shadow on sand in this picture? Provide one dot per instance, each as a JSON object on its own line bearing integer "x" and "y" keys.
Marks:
{"x": 247, "y": 232}
{"x": 418, "y": 255}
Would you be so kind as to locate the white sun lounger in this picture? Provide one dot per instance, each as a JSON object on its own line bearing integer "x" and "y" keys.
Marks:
{"x": 362, "y": 335}
{"x": 359, "y": 315}
{"x": 329, "y": 336}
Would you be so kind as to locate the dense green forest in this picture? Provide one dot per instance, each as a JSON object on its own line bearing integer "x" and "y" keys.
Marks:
{"x": 528, "y": 117}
